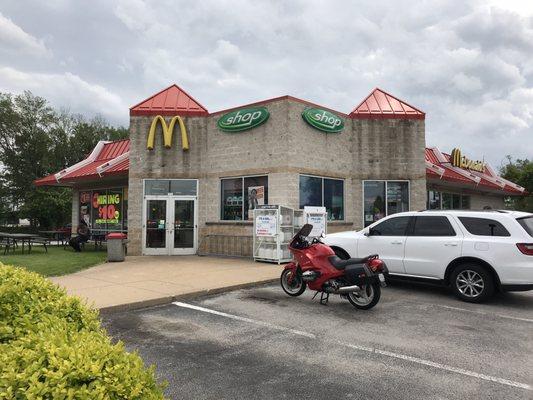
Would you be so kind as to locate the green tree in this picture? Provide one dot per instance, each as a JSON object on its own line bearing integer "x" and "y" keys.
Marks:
{"x": 521, "y": 173}
{"x": 35, "y": 141}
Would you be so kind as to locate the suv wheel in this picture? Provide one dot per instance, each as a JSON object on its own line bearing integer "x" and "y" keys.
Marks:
{"x": 472, "y": 283}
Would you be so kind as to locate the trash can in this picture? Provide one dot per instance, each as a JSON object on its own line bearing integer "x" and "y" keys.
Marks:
{"x": 116, "y": 246}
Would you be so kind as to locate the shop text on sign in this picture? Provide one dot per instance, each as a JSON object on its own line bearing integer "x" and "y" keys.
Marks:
{"x": 168, "y": 131}
{"x": 243, "y": 119}
{"x": 461, "y": 161}
{"x": 323, "y": 120}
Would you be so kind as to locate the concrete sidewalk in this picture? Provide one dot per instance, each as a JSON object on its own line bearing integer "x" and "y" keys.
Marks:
{"x": 146, "y": 281}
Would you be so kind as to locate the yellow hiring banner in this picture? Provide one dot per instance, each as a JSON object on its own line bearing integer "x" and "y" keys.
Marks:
{"x": 168, "y": 131}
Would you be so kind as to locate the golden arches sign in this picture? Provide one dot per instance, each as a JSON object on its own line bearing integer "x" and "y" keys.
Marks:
{"x": 168, "y": 131}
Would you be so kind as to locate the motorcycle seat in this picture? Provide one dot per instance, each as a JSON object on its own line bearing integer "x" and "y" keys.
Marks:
{"x": 339, "y": 263}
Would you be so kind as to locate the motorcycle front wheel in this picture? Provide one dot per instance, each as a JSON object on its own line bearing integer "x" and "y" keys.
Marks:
{"x": 367, "y": 298}
{"x": 294, "y": 288}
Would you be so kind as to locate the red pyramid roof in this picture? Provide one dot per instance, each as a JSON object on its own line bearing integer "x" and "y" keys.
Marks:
{"x": 380, "y": 104}
{"x": 170, "y": 101}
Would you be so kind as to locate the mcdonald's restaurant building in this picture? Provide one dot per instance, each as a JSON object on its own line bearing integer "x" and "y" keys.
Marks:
{"x": 186, "y": 180}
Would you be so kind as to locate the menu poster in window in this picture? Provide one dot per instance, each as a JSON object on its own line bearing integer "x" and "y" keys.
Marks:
{"x": 85, "y": 211}
{"x": 108, "y": 206}
{"x": 256, "y": 198}
{"x": 265, "y": 225}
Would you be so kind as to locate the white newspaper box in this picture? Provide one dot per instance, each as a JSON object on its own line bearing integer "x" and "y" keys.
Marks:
{"x": 318, "y": 217}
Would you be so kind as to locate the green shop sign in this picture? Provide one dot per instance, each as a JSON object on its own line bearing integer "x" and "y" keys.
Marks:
{"x": 323, "y": 120}
{"x": 243, "y": 119}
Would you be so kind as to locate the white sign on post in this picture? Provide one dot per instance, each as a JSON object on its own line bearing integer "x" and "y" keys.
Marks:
{"x": 316, "y": 216}
{"x": 265, "y": 225}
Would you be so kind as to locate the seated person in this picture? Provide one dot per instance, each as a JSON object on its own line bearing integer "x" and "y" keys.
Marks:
{"x": 83, "y": 236}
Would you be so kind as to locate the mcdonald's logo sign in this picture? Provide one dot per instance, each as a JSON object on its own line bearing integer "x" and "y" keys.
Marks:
{"x": 168, "y": 131}
{"x": 458, "y": 160}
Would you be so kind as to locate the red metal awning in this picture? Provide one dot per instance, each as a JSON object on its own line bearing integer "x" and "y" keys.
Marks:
{"x": 106, "y": 160}
{"x": 488, "y": 180}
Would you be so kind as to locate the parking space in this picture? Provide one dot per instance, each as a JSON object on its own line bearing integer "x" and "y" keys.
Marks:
{"x": 418, "y": 342}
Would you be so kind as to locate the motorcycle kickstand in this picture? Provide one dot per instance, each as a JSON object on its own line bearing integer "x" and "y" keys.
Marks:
{"x": 324, "y": 298}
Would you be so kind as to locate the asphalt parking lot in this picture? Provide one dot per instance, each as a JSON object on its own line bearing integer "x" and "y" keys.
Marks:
{"x": 419, "y": 342}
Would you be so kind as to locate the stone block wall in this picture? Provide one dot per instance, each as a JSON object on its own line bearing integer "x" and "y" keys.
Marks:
{"x": 284, "y": 147}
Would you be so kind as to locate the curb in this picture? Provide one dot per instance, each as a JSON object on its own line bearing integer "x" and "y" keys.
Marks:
{"x": 169, "y": 299}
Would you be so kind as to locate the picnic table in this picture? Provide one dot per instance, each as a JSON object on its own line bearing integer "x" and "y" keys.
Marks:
{"x": 11, "y": 240}
{"x": 98, "y": 236}
{"x": 60, "y": 235}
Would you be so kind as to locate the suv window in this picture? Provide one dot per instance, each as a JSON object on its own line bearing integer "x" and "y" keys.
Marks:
{"x": 527, "y": 224}
{"x": 392, "y": 227}
{"x": 483, "y": 226}
{"x": 433, "y": 226}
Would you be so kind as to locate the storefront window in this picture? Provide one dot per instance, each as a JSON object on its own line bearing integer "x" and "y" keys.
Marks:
{"x": 255, "y": 192}
{"x": 433, "y": 200}
{"x": 183, "y": 187}
{"x": 85, "y": 208}
{"x": 382, "y": 198}
{"x": 176, "y": 187}
{"x": 374, "y": 201}
{"x": 125, "y": 209}
{"x": 450, "y": 201}
{"x": 334, "y": 198}
{"x": 465, "y": 202}
{"x": 310, "y": 191}
{"x": 156, "y": 187}
{"x": 447, "y": 201}
{"x": 241, "y": 195}
{"x": 323, "y": 192}
{"x": 104, "y": 209}
{"x": 397, "y": 197}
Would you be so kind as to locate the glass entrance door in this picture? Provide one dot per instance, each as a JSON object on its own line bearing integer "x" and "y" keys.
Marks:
{"x": 170, "y": 225}
{"x": 155, "y": 238}
{"x": 184, "y": 220}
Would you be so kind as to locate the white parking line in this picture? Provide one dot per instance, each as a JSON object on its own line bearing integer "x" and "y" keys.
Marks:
{"x": 244, "y": 319}
{"x": 441, "y": 366}
{"x": 363, "y": 348}
{"x": 484, "y": 313}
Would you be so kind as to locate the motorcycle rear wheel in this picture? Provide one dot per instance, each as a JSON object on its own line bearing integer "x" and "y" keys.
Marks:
{"x": 366, "y": 300}
{"x": 296, "y": 287}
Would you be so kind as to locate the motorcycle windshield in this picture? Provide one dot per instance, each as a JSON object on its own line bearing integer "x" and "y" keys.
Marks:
{"x": 304, "y": 230}
{"x": 298, "y": 239}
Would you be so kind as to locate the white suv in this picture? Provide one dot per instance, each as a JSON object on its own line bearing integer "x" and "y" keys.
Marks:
{"x": 474, "y": 252}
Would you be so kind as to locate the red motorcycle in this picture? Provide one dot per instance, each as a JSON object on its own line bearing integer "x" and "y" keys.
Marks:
{"x": 316, "y": 266}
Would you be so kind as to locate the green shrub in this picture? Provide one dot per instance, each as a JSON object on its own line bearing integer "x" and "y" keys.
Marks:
{"x": 53, "y": 347}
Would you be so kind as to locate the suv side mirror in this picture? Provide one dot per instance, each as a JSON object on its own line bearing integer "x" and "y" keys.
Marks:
{"x": 371, "y": 232}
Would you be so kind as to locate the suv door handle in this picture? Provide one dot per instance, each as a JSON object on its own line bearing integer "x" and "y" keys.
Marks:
{"x": 397, "y": 242}
{"x": 450, "y": 244}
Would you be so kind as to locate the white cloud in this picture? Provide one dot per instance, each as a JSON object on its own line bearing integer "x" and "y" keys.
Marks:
{"x": 467, "y": 64}
{"x": 65, "y": 91}
{"x": 14, "y": 39}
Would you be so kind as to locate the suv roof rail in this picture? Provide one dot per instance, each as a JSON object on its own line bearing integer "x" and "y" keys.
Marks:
{"x": 457, "y": 209}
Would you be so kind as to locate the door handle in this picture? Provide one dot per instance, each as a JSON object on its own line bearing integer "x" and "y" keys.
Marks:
{"x": 397, "y": 242}
{"x": 450, "y": 244}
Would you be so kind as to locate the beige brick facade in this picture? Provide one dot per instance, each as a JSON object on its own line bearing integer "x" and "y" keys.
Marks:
{"x": 282, "y": 148}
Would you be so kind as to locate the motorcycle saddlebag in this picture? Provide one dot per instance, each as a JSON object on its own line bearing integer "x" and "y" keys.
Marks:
{"x": 358, "y": 274}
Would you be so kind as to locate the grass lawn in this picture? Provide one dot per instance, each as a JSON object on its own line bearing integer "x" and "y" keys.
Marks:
{"x": 57, "y": 261}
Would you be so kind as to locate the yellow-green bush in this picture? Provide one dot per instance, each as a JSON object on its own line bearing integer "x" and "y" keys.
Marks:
{"x": 52, "y": 347}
